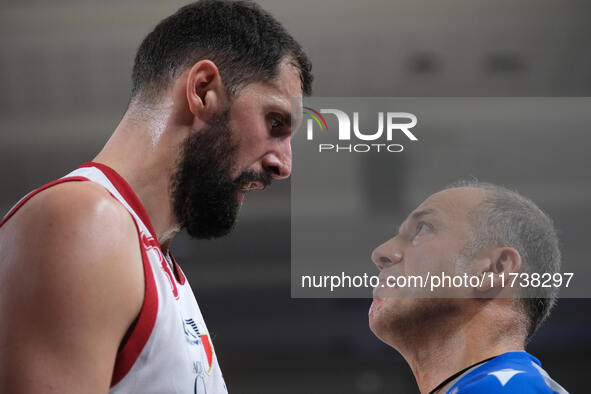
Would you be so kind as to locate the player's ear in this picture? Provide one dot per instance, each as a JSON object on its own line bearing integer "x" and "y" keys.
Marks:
{"x": 201, "y": 90}
{"x": 494, "y": 267}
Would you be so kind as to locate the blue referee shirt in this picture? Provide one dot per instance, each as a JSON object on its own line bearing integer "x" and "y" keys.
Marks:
{"x": 513, "y": 372}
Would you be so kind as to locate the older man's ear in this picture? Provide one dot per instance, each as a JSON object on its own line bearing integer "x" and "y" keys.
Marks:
{"x": 494, "y": 267}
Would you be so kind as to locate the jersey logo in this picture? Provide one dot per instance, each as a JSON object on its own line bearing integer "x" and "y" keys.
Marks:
{"x": 504, "y": 375}
{"x": 197, "y": 336}
{"x": 153, "y": 249}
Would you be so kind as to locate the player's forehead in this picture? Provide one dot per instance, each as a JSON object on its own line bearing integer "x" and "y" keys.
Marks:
{"x": 283, "y": 93}
{"x": 288, "y": 81}
{"x": 286, "y": 84}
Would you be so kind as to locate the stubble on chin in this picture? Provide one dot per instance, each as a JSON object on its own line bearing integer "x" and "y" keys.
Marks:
{"x": 398, "y": 320}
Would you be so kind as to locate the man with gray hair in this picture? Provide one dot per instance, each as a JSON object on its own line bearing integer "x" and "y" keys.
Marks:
{"x": 469, "y": 336}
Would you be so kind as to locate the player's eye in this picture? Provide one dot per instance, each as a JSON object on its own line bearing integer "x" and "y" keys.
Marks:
{"x": 276, "y": 122}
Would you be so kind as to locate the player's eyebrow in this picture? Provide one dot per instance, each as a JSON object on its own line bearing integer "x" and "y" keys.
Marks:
{"x": 417, "y": 215}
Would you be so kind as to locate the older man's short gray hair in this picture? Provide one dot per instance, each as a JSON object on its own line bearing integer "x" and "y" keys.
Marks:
{"x": 505, "y": 218}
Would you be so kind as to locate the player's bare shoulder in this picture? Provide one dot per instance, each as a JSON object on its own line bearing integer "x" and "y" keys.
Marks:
{"x": 78, "y": 227}
{"x": 70, "y": 263}
{"x": 72, "y": 218}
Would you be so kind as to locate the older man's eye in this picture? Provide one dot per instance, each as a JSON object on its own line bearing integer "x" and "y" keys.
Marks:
{"x": 422, "y": 228}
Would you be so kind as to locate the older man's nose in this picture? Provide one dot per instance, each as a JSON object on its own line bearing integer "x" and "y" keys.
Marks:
{"x": 385, "y": 255}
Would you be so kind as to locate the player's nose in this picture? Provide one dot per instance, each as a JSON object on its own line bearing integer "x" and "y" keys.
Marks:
{"x": 386, "y": 254}
{"x": 278, "y": 163}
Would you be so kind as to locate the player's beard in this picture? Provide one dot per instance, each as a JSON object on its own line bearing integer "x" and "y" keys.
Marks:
{"x": 204, "y": 195}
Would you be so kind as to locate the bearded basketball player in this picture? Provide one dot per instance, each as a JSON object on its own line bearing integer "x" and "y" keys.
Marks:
{"x": 91, "y": 298}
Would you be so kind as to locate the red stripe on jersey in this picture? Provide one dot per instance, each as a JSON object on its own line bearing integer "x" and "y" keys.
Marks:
{"x": 128, "y": 355}
{"x": 208, "y": 351}
{"x": 146, "y": 320}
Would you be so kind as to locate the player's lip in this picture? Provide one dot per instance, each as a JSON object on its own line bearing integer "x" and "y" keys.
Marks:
{"x": 252, "y": 186}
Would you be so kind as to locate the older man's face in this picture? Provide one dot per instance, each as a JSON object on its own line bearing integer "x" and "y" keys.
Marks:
{"x": 429, "y": 241}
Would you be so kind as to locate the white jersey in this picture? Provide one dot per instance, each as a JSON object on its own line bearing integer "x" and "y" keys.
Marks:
{"x": 168, "y": 349}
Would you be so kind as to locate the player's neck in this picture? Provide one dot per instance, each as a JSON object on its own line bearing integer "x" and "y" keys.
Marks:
{"x": 439, "y": 352}
{"x": 142, "y": 153}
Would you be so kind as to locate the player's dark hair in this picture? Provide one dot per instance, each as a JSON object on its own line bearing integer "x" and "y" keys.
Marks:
{"x": 244, "y": 41}
{"x": 506, "y": 218}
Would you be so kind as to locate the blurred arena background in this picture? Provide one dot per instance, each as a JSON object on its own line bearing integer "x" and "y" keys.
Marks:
{"x": 64, "y": 83}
